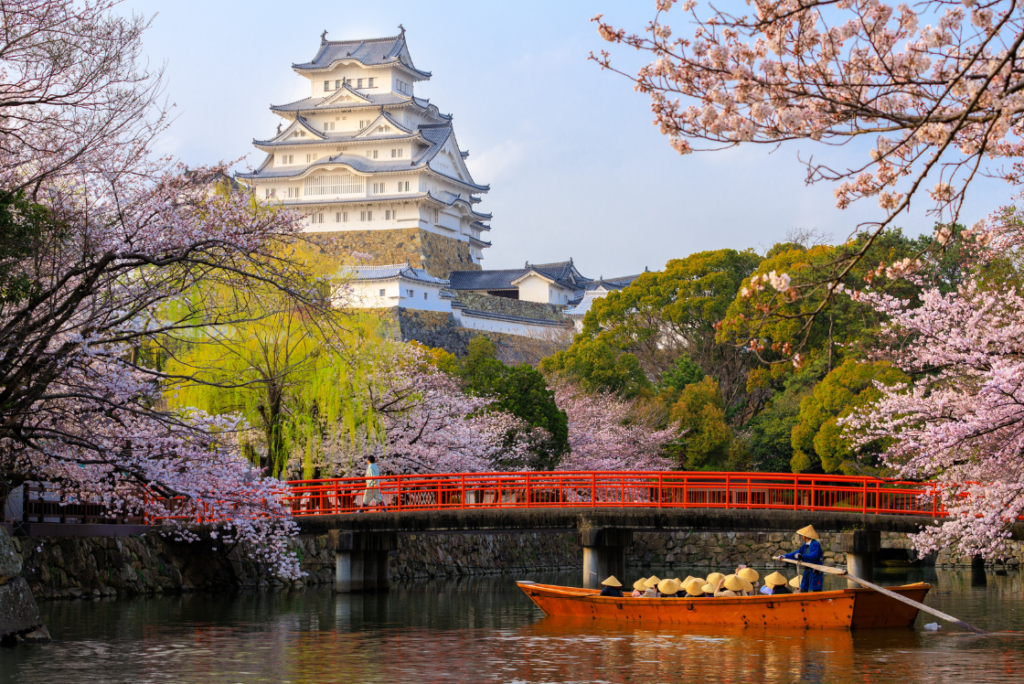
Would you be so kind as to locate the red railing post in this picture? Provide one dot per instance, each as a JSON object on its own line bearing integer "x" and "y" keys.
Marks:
{"x": 864, "y": 507}
{"x": 661, "y": 488}
{"x": 593, "y": 487}
{"x": 728, "y": 490}
{"x": 463, "y": 490}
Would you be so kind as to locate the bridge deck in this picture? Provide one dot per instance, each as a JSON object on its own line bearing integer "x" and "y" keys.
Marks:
{"x": 565, "y": 519}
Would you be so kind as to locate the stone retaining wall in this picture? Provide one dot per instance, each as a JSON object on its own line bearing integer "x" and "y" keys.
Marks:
{"x": 80, "y": 567}
{"x": 437, "y": 254}
{"x": 512, "y": 307}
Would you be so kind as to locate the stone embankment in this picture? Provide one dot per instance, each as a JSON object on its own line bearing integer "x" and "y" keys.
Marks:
{"x": 74, "y": 567}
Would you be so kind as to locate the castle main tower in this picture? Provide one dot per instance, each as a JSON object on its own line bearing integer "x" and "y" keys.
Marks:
{"x": 377, "y": 169}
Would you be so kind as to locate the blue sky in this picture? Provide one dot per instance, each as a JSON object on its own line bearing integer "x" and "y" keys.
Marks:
{"x": 575, "y": 166}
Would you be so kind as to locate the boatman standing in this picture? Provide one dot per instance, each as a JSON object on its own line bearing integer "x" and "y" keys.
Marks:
{"x": 809, "y": 552}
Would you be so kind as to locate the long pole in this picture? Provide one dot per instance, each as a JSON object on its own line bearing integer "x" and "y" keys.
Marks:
{"x": 883, "y": 590}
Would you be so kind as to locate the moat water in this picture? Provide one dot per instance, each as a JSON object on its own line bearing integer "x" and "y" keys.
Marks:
{"x": 485, "y": 630}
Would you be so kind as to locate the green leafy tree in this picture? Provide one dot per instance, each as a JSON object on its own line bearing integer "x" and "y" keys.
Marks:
{"x": 707, "y": 443}
{"x": 522, "y": 391}
{"x": 818, "y": 440}
{"x": 666, "y": 313}
{"x": 597, "y": 366}
{"x": 681, "y": 373}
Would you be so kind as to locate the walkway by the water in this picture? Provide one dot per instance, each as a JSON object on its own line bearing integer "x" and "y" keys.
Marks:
{"x": 485, "y": 630}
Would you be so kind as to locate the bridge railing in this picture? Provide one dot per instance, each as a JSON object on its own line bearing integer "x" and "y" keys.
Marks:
{"x": 614, "y": 489}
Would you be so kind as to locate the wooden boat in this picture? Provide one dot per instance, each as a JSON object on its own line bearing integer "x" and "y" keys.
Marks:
{"x": 844, "y": 609}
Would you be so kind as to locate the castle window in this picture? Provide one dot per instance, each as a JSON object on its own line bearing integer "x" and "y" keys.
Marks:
{"x": 362, "y": 216}
{"x": 396, "y": 153}
{"x": 293, "y": 193}
{"x": 437, "y": 216}
{"x": 390, "y": 214}
{"x": 382, "y": 291}
{"x": 424, "y": 296}
{"x": 337, "y": 84}
{"x": 316, "y": 218}
{"x": 370, "y": 82}
{"x": 401, "y": 188}
{"x": 369, "y": 216}
{"x": 359, "y": 83}
{"x": 411, "y": 293}
{"x": 327, "y": 86}
{"x": 333, "y": 184}
{"x": 287, "y": 158}
{"x": 363, "y": 124}
{"x": 341, "y": 217}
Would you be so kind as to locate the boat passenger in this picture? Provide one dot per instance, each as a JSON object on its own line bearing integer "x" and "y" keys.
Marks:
{"x": 695, "y": 589}
{"x": 639, "y": 588}
{"x": 669, "y": 588}
{"x": 795, "y": 584}
{"x": 651, "y": 587}
{"x": 709, "y": 591}
{"x": 810, "y": 551}
{"x": 715, "y": 578}
{"x": 612, "y": 587}
{"x": 733, "y": 585}
{"x": 775, "y": 583}
{"x": 750, "y": 575}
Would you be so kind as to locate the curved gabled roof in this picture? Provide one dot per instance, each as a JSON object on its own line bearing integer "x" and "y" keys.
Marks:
{"x": 436, "y": 135}
{"x": 372, "y": 52}
{"x": 325, "y": 104}
{"x": 392, "y": 271}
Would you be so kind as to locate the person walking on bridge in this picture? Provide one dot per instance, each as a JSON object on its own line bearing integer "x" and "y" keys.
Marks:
{"x": 810, "y": 552}
{"x": 372, "y": 497}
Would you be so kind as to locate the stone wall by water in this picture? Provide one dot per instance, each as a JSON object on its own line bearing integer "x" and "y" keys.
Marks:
{"x": 77, "y": 567}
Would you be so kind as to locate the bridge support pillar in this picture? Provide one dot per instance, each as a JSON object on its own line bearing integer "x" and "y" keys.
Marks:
{"x": 604, "y": 553}
{"x": 860, "y": 547}
{"x": 361, "y": 560}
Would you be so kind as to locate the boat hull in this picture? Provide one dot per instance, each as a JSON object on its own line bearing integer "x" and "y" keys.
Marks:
{"x": 846, "y": 609}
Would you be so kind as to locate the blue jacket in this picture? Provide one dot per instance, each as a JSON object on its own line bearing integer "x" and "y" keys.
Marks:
{"x": 810, "y": 552}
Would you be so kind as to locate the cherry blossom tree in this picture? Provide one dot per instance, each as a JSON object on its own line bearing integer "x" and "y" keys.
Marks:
{"x": 960, "y": 425}
{"x": 609, "y": 433}
{"x": 100, "y": 238}
{"x": 422, "y": 421}
{"x": 933, "y": 90}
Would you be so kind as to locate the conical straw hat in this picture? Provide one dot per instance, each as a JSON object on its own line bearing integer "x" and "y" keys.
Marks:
{"x": 734, "y": 583}
{"x": 795, "y": 582}
{"x": 776, "y": 579}
{"x": 669, "y": 586}
{"x": 749, "y": 574}
{"x": 612, "y": 582}
{"x": 714, "y": 578}
{"x": 708, "y": 589}
{"x": 695, "y": 587}
{"x": 808, "y": 532}
{"x": 639, "y": 584}
{"x": 652, "y": 582}
{"x": 689, "y": 578}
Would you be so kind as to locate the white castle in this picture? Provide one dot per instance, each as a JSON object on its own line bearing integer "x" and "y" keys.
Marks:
{"x": 363, "y": 153}
{"x": 379, "y": 171}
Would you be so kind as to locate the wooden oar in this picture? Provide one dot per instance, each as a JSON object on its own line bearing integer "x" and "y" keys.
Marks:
{"x": 883, "y": 590}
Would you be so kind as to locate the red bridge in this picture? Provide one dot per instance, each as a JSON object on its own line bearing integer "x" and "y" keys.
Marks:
{"x": 615, "y": 489}
{"x": 605, "y": 508}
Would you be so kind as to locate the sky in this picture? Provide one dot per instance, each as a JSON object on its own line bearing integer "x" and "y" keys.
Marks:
{"x": 575, "y": 166}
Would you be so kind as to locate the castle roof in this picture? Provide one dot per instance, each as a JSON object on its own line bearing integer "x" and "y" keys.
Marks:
{"x": 370, "y": 52}
{"x": 402, "y": 271}
{"x": 436, "y": 135}
{"x": 563, "y": 273}
{"x": 328, "y": 103}
{"x": 596, "y": 289}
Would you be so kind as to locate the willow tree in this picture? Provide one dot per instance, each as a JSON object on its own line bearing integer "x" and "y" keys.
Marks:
{"x": 296, "y": 374}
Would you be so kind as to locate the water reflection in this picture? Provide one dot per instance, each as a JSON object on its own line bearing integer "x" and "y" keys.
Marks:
{"x": 485, "y": 630}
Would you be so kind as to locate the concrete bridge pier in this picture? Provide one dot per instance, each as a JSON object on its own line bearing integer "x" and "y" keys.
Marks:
{"x": 604, "y": 553}
{"x": 361, "y": 560}
{"x": 860, "y": 547}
